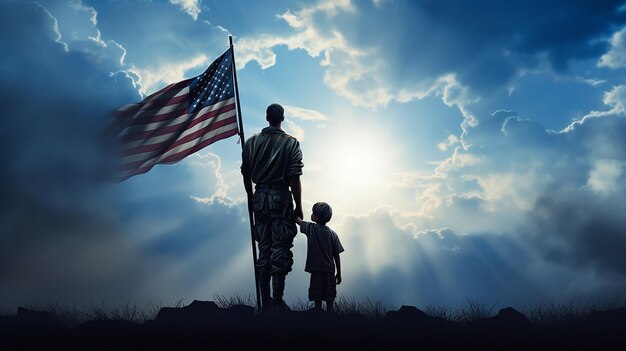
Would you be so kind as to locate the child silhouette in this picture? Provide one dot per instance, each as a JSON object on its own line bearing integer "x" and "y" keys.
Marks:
{"x": 323, "y": 249}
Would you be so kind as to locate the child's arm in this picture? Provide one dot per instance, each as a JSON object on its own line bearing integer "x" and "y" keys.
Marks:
{"x": 338, "y": 264}
{"x": 298, "y": 220}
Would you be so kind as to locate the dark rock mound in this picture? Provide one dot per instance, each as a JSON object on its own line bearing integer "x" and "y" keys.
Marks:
{"x": 507, "y": 320}
{"x": 201, "y": 319}
{"x": 411, "y": 317}
{"x": 407, "y": 314}
{"x": 26, "y": 315}
{"x": 197, "y": 311}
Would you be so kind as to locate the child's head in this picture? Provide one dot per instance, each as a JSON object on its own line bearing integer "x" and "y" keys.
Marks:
{"x": 321, "y": 213}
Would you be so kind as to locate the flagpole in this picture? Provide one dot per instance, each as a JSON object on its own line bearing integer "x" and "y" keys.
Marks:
{"x": 246, "y": 178}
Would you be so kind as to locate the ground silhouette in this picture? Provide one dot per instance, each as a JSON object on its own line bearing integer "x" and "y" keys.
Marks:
{"x": 204, "y": 325}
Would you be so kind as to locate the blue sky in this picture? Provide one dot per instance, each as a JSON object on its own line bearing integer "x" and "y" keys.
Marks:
{"x": 470, "y": 150}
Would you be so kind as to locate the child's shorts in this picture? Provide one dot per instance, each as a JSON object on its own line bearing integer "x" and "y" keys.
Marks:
{"x": 322, "y": 287}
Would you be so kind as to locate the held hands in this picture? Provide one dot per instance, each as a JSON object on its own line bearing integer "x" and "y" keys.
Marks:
{"x": 338, "y": 278}
{"x": 298, "y": 213}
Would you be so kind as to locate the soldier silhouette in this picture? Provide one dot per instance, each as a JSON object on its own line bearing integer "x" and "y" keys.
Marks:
{"x": 273, "y": 160}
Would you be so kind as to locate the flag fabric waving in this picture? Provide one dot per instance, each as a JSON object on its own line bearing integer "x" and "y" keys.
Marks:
{"x": 177, "y": 120}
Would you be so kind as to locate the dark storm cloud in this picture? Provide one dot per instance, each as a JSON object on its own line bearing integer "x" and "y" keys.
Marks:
{"x": 577, "y": 228}
{"x": 577, "y": 216}
{"x": 486, "y": 42}
{"x": 582, "y": 222}
{"x": 54, "y": 221}
{"x": 54, "y": 104}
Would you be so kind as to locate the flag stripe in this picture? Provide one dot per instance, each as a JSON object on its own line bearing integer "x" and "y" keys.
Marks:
{"x": 159, "y": 142}
{"x": 160, "y": 102}
{"x": 149, "y": 134}
{"x": 172, "y": 87}
{"x": 129, "y": 173}
{"x": 205, "y": 114}
{"x": 174, "y": 154}
{"x": 171, "y": 153}
{"x": 162, "y": 107}
{"x": 172, "y": 143}
{"x": 204, "y": 141}
{"x": 169, "y": 92}
{"x": 172, "y": 126}
{"x": 176, "y": 117}
{"x": 137, "y": 159}
{"x": 164, "y": 114}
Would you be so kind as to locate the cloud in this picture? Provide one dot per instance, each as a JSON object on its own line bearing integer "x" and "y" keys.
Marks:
{"x": 360, "y": 75}
{"x": 304, "y": 114}
{"x": 222, "y": 29}
{"x": 346, "y": 73}
{"x": 604, "y": 177}
{"x": 561, "y": 193}
{"x": 370, "y": 67}
{"x": 77, "y": 25}
{"x": 450, "y": 140}
{"x": 449, "y": 39}
{"x": 307, "y": 37}
{"x": 459, "y": 159}
{"x": 213, "y": 161}
{"x": 191, "y": 7}
{"x": 581, "y": 230}
{"x": 162, "y": 44}
{"x": 615, "y": 99}
{"x": 616, "y": 56}
{"x": 156, "y": 77}
{"x": 556, "y": 195}
{"x": 55, "y": 27}
{"x": 295, "y": 130}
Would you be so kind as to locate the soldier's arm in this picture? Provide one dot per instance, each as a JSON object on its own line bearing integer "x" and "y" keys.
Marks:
{"x": 247, "y": 183}
{"x": 245, "y": 171}
{"x": 296, "y": 190}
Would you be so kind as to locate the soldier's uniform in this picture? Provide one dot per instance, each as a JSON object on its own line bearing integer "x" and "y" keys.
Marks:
{"x": 273, "y": 157}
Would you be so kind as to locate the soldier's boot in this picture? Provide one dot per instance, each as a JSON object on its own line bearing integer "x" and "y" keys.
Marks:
{"x": 278, "y": 286}
{"x": 330, "y": 306}
{"x": 264, "y": 287}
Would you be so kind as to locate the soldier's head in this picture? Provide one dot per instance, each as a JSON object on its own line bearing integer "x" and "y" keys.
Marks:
{"x": 275, "y": 114}
{"x": 321, "y": 213}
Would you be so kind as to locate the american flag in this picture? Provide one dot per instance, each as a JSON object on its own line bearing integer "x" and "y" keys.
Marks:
{"x": 177, "y": 120}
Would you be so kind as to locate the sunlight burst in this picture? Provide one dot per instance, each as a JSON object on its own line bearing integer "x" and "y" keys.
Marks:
{"x": 353, "y": 169}
{"x": 357, "y": 162}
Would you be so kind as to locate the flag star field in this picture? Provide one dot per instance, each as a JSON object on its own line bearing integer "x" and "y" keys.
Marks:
{"x": 469, "y": 149}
